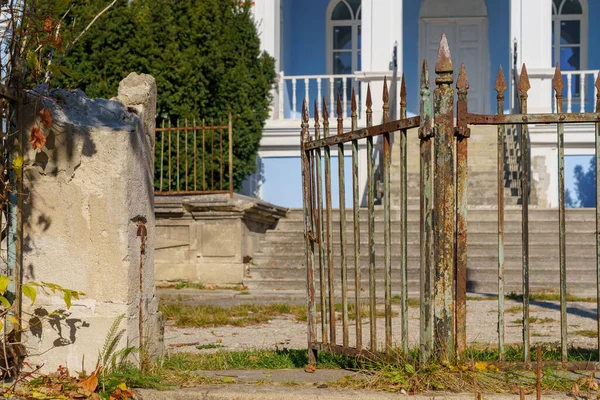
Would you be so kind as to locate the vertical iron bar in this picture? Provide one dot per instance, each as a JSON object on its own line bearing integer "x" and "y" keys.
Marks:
{"x": 356, "y": 220}
{"x": 342, "y": 209}
{"x": 178, "y": 161}
{"x": 445, "y": 210}
{"x": 330, "y": 264}
{"x": 500, "y": 88}
{"x": 462, "y": 167}
{"x": 203, "y": 158}
{"x": 195, "y": 156}
{"x": 371, "y": 214}
{"x": 162, "y": 155}
{"x": 403, "y": 222}
{"x": 306, "y": 186}
{"x": 170, "y": 151}
{"x": 523, "y": 87}
{"x": 426, "y": 220}
{"x": 319, "y": 214}
{"x": 558, "y": 85}
{"x": 328, "y": 231}
{"x": 387, "y": 232}
{"x": 186, "y": 154}
{"x": 212, "y": 154}
{"x": 230, "y": 166}
{"x": 221, "y": 147}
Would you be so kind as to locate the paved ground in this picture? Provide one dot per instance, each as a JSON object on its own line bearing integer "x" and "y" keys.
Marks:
{"x": 285, "y": 332}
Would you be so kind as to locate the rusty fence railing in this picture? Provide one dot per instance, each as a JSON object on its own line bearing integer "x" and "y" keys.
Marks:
{"x": 336, "y": 266}
{"x": 192, "y": 157}
{"x": 319, "y": 227}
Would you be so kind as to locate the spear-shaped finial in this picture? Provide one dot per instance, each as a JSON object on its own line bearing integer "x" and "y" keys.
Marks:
{"x": 403, "y": 92}
{"x": 425, "y": 76}
{"x": 524, "y": 85}
{"x": 462, "y": 83}
{"x": 339, "y": 107}
{"x": 305, "y": 135}
{"x": 316, "y": 113}
{"x": 443, "y": 62}
{"x": 369, "y": 102}
{"x": 557, "y": 82}
{"x": 500, "y": 85}
{"x": 353, "y": 106}
{"x": 385, "y": 92}
{"x": 305, "y": 111}
{"x": 325, "y": 112}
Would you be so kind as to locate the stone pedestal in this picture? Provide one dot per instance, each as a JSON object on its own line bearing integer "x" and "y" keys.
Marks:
{"x": 208, "y": 238}
{"x": 86, "y": 189}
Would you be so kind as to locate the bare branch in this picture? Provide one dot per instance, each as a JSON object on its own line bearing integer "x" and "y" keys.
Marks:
{"x": 74, "y": 42}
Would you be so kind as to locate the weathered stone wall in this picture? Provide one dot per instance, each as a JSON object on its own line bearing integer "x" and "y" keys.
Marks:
{"x": 209, "y": 238}
{"x": 85, "y": 191}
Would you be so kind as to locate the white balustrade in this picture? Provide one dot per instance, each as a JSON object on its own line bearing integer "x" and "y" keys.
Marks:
{"x": 579, "y": 86}
{"x": 316, "y": 87}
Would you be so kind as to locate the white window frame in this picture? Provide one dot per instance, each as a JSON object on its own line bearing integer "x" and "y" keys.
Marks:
{"x": 557, "y": 17}
{"x": 354, "y": 23}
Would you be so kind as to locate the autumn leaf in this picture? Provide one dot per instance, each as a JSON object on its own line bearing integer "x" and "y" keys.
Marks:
{"x": 575, "y": 390}
{"x": 89, "y": 384}
{"x": 481, "y": 366}
{"x": 310, "y": 368}
{"x": 46, "y": 115}
{"x": 38, "y": 140}
{"x": 48, "y": 26}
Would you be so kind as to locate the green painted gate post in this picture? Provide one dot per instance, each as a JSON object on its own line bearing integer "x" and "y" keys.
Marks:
{"x": 444, "y": 206}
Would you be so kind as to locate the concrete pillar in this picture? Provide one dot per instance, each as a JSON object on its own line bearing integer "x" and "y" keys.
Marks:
{"x": 531, "y": 25}
{"x": 87, "y": 188}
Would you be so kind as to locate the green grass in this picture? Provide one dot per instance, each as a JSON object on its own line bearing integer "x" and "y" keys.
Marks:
{"x": 254, "y": 359}
{"x": 240, "y": 315}
{"x": 549, "y": 296}
{"x": 535, "y": 320}
{"x": 411, "y": 302}
{"x": 209, "y": 346}
{"x": 514, "y": 310}
{"x": 591, "y": 333}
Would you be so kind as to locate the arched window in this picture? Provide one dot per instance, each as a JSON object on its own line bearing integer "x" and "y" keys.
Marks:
{"x": 343, "y": 36}
{"x": 569, "y": 37}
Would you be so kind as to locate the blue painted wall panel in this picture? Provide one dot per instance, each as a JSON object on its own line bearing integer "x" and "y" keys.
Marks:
{"x": 282, "y": 184}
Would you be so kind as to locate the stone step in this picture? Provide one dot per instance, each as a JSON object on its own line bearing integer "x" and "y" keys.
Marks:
{"x": 510, "y": 238}
{"x": 536, "y": 250}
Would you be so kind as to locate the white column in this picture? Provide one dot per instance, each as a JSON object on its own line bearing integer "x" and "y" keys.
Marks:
{"x": 267, "y": 16}
{"x": 381, "y": 29}
{"x": 535, "y": 48}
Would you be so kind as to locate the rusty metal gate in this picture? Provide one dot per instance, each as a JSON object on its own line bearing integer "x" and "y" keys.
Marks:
{"x": 443, "y": 220}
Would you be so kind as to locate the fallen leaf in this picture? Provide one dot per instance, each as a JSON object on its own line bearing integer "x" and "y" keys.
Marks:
{"x": 38, "y": 140}
{"x": 575, "y": 389}
{"x": 322, "y": 386}
{"x": 227, "y": 379}
{"x": 253, "y": 358}
{"x": 481, "y": 366}
{"x": 89, "y": 384}
{"x": 592, "y": 384}
{"x": 310, "y": 368}
{"x": 46, "y": 116}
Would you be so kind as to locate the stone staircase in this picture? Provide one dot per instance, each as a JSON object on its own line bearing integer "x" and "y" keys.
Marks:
{"x": 280, "y": 263}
